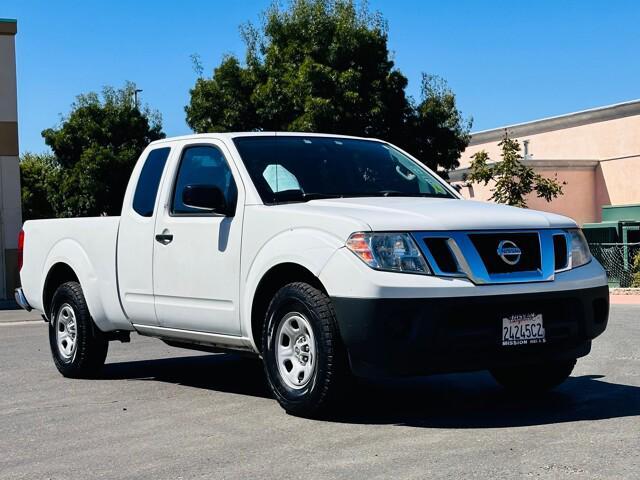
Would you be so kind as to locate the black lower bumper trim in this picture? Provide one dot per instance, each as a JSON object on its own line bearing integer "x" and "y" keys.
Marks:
{"x": 390, "y": 337}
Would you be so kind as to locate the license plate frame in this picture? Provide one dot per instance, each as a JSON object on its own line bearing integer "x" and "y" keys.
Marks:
{"x": 522, "y": 329}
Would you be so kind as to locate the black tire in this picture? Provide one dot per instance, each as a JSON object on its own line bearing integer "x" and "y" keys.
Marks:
{"x": 89, "y": 351}
{"x": 534, "y": 378}
{"x": 330, "y": 371}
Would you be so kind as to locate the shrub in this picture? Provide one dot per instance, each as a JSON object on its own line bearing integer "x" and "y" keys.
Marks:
{"x": 635, "y": 268}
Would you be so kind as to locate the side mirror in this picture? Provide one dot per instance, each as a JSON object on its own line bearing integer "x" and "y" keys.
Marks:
{"x": 205, "y": 197}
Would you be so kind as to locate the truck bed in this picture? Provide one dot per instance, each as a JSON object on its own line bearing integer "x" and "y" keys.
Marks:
{"x": 88, "y": 246}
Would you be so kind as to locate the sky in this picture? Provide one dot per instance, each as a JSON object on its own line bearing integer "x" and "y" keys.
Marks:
{"x": 507, "y": 61}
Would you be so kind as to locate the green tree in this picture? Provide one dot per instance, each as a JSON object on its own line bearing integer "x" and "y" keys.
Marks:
{"x": 635, "y": 269}
{"x": 513, "y": 179}
{"x": 324, "y": 66}
{"x": 441, "y": 133}
{"x": 39, "y": 174}
{"x": 96, "y": 147}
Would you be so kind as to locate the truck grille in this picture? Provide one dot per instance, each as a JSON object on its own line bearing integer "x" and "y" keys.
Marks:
{"x": 487, "y": 246}
{"x": 442, "y": 254}
{"x": 560, "y": 252}
{"x": 496, "y": 256}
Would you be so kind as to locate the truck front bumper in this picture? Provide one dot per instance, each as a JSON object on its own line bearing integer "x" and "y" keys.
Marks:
{"x": 417, "y": 336}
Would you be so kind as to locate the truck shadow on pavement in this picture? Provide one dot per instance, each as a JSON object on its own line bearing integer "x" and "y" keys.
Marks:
{"x": 220, "y": 372}
{"x": 473, "y": 400}
{"x": 469, "y": 400}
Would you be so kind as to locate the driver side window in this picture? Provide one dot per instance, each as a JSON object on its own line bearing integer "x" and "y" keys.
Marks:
{"x": 202, "y": 165}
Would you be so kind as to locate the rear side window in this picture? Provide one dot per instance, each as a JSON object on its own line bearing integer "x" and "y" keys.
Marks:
{"x": 147, "y": 189}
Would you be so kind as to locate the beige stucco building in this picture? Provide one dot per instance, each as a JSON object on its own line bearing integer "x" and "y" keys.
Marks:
{"x": 596, "y": 152}
{"x": 10, "y": 208}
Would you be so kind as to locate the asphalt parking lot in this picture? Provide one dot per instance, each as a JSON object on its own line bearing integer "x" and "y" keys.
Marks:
{"x": 165, "y": 413}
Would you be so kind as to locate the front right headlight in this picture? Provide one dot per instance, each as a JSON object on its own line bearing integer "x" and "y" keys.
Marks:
{"x": 580, "y": 253}
{"x": 392, "y": 252}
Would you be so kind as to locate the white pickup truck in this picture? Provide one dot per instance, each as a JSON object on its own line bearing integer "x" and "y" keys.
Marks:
{"x": 327, "y": 256}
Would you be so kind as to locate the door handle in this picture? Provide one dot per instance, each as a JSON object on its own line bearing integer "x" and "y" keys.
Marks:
{"x": 165, "y": 238}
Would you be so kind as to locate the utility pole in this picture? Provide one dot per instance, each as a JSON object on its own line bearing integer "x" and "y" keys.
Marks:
{"x": 135, "y": 96}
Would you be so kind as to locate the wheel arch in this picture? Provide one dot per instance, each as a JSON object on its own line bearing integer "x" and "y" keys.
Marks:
{"x": 69, "y": 261}
{"x": 273, "y": 280}
{"x": 58, "y": 274}
{"x": 293, "y": 255}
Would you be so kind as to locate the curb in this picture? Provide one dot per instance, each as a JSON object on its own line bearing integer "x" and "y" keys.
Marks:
{"x": 628, "y": 299}
{"x": 20, "y": 323}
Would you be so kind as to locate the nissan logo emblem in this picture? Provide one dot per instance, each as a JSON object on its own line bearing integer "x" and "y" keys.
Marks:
{"x": 509, "y": 252}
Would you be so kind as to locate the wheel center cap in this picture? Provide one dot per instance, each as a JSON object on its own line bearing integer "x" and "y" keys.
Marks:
{"x": 301, "y": 349}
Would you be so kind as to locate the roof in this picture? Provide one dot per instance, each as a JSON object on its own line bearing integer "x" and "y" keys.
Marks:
{"x": 231, "y": 135}
{"x": 568, "y": 120}
{"x": 8, "y": 26}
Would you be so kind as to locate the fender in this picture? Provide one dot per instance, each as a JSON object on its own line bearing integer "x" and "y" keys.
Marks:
{"x": 307, "y": 247}
{"x": 98, "y": 287}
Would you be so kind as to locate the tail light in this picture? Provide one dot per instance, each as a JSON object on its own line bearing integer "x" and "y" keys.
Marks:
{"x": 20, "y": 249}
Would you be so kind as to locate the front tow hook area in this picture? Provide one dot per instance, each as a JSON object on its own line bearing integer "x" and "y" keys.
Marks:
{"x": 22, "y": 300}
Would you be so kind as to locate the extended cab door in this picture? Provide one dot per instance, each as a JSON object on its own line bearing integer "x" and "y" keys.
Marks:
{"x": 196, "y": 255}
{"x": 135, "y": 236}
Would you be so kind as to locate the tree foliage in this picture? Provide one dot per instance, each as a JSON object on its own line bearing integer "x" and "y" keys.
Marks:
{"x": 441, "y": 133}
{"x": 324, "y": 66}
{"x": 635, "y": 269}
{"x": 513, "y": 179}
{"x": 39, "y": 175}
{"x": 94, "y": 151}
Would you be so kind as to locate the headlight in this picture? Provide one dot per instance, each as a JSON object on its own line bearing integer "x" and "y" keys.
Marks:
{"x": 580, "y": 253}
{"x": 395, "y": 252}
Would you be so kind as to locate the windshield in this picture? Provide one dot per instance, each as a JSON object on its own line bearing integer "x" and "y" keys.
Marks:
{"x": 299, "y": 168}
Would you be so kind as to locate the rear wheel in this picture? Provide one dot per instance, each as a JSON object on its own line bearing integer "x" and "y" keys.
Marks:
{"x": 303, "y": 355}
{"x": 77, "y": 347}
{"x": 534, "y": 378}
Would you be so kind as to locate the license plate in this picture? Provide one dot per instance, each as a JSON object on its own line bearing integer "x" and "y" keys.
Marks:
{"x": 522, "y": 329}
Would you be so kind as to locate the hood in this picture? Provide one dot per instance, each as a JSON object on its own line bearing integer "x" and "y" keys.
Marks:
{"x": 416, "y": 214}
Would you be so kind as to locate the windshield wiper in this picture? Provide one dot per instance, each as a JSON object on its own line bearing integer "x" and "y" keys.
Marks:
{"x": 320, "y": 196}
{"x": 295, "y": 196}
{"x": 298, "y": 196}
{"x": 394, "y": 193}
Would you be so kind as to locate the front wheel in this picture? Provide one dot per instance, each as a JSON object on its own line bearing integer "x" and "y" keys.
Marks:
{"x": 78, "y": 349}
{"x": 303, "y": 356}
{"x": 534, "y": 378}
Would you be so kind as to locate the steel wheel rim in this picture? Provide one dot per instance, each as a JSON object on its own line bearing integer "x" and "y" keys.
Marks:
{"x": 66, "y": 331}
{"x": 296, "y": 350}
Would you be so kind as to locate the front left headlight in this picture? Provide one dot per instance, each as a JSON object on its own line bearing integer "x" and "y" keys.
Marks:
{"x": 580, "y": 253}
{"x": 393, "y": 252}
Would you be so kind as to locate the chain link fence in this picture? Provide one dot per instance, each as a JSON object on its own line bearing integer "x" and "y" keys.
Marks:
{"x": 618, "y": 260}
